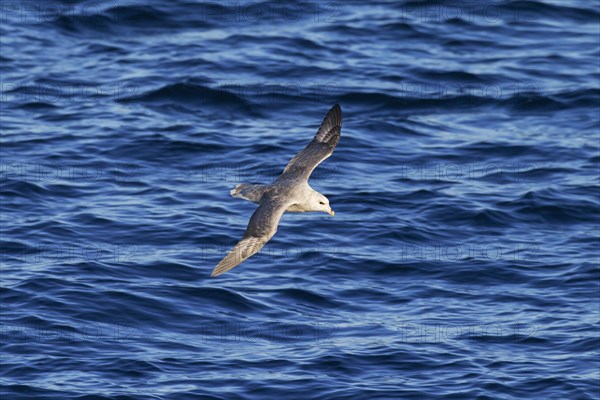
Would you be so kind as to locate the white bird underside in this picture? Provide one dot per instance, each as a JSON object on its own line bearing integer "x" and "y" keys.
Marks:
{"x": 290, "y": 192}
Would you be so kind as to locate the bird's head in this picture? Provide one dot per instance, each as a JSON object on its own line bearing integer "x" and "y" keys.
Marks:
{"x": 321, "y": 203}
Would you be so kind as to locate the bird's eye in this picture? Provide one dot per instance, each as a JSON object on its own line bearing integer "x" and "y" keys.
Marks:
{"x": 321, "y": 203}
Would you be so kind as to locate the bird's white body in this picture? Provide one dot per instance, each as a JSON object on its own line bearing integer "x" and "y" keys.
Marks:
{"x": 305, "y": 197}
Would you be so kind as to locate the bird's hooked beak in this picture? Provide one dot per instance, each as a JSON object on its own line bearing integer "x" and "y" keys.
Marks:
{"x": 331, "y": 212}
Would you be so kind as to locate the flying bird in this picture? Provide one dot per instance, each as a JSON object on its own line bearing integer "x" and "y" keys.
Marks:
{"x": 290, "y": 192}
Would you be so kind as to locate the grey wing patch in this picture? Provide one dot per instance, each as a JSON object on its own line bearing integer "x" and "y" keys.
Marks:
{"x": 321, "y": 147}
{"x": 261, "y": 228}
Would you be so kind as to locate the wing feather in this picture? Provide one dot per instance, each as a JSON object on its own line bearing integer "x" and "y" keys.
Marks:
{"x": 321, "y": 147}
{"x": 261, "y": 228}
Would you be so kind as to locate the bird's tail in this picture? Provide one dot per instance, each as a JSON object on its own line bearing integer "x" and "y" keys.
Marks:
{"x": 248, "y": 192}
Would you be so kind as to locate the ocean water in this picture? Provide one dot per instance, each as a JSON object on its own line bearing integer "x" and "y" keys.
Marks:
{"x": 462, "y": 262}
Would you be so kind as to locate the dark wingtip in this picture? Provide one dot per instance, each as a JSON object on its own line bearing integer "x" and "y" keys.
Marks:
{"x": 334, "y": 115}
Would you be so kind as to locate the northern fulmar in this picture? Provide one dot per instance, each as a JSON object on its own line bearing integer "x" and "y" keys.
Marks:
{"x": 290, "y": 192}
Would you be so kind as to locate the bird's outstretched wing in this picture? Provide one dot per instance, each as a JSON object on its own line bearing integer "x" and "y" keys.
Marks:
{"x": 321, "y": 147}
{"x": 261, "y": 228}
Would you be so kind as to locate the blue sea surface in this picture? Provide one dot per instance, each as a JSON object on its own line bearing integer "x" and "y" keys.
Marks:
{"x": 463, "y": 260}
